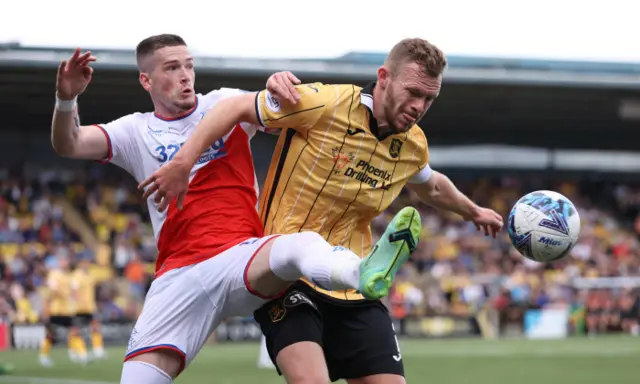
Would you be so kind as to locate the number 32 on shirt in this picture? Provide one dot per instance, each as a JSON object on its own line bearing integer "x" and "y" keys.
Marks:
{"x": 166, "y": 153}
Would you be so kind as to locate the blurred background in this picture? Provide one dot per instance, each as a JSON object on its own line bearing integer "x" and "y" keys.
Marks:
{"x": 554, "y": 107}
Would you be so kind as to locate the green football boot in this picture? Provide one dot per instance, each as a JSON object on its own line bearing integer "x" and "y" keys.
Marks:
{"x": 393, "y": 249}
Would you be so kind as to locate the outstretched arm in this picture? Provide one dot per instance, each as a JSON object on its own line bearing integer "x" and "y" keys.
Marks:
{"x": 68, "y": 137}
{"x": 437, "y": 190}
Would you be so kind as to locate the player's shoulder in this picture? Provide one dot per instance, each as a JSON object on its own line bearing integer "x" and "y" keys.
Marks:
{"x": 214, "y": 96}
{"x": 329, "y": 93}
{"x": 131, "y": 121}
{"x": 319, "y": 88}
{"x": 416, "y": 133}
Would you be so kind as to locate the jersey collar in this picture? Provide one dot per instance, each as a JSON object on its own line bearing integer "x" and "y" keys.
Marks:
{"x": 366, "y": 98}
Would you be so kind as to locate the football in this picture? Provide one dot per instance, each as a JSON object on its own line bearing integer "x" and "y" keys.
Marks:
{"x": 544, "y": 226}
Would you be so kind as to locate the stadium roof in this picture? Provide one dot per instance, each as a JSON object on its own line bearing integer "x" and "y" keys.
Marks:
{"x": 363, "y": 65}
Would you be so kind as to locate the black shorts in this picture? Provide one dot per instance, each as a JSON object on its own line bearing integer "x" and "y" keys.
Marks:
{"x": 54, "y": 333}
{"x": 357, "y": 338}
{"x": 61, "y": 321}
{"x": 83, "y": 319}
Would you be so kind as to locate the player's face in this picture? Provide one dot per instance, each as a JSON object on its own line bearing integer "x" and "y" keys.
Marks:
{"x": 172, "y": 79}
{"x": 407, "y": 95}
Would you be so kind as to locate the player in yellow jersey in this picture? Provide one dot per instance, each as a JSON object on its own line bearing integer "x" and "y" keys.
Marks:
{"x": 61, "y": 312}
{"x": 344, "y": 155}
{"x": 85, "y": 293}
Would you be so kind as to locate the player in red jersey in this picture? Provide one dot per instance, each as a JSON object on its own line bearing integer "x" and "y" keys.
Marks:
{"x": 213, "y": 261}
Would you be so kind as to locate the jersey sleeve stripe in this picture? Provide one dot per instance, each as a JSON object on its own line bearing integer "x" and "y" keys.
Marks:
{"x": 109, "y": 147}
{"x": 295, "y": 113}
{"x": 258, "y": 113}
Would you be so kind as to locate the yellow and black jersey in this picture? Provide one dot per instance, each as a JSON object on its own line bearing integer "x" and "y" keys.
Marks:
{"x": 85, "y": 289}
{"x": 331, "y": 172}
{"x": 60, "y": 302}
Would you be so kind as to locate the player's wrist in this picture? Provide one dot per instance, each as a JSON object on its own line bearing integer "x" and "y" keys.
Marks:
{"x": 471, "y": 211}
{"x": 184, "y": 159}
{"x": 65, "y": 104}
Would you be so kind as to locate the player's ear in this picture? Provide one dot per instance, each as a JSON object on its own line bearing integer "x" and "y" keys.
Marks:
{"x": 383, "y": 77}
{"x": 145, "y": 81}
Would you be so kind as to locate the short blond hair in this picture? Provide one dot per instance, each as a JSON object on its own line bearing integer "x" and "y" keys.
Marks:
{"x": 415, "y": 50}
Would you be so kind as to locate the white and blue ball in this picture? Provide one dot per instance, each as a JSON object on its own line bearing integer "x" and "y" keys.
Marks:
{"x": 543, "y": 226}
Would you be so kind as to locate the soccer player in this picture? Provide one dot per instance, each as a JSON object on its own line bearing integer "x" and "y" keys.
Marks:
{"x": 61, "y": 310}
{"x": 213, "y": 260}
{"x": 84, "y": 286}
{"x": 345, "y": 154}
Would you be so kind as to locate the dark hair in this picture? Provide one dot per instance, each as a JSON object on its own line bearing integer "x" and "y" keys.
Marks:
{"x": 429, "y": 57}
{"x": 151, "y": 44}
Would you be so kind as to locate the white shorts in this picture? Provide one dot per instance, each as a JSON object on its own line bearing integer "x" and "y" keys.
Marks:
{"x": 184, "y": 306}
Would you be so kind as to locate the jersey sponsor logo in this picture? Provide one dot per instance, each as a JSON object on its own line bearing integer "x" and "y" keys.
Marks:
{"x": 215, "y": 151}
{"x": 394, "y": 148}
{"x": 271, "y": 102}
{"x": 369, "y": 174}
{"x": 341, "y": 159}
{"x": 295, "y": 298}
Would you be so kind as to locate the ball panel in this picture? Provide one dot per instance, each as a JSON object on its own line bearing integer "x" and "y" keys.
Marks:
{"x": 548, "y": 247}
{"x": 544, "y": 225}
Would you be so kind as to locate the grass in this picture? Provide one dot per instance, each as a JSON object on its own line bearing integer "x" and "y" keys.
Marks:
{"x": 569, "y": 361}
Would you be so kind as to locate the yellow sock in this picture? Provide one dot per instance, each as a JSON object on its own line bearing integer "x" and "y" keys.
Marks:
{"x": 96, "y": 341}
{"x": 45, "y": 347}
{"x": 81, "y": 347}
{"x": 77, "y": 345}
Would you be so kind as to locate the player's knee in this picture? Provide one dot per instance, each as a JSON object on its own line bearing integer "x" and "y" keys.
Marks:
{"x": 166, "y": 360}
{"x": 309, "y": 237}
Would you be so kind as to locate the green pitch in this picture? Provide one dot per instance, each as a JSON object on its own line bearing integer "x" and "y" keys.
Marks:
{"x": 572, "y": 361}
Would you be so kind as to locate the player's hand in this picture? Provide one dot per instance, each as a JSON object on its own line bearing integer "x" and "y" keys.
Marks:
{"x": 281, "y": 85}
{"x": 169, "y": 182}
{"x": 488, "y": 221}
{"x": 74, "y": 75}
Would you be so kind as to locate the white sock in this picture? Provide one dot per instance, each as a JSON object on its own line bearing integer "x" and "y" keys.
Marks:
{"x": 138, "y": 372}
{"x": 307, "y": 254}
{"x": 264, "y": 361}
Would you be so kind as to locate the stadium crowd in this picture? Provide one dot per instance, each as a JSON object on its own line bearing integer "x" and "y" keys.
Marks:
{"x": 98, "y": 215}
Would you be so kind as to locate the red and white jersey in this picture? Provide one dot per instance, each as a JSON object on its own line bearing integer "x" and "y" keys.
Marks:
{"x": 220, "y": 208}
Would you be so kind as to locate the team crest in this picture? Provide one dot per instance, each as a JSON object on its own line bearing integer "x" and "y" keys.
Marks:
{"x": 394, "y": 148}
{"x": 277, "y": 312}
{"x": 341, "y": 159}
